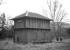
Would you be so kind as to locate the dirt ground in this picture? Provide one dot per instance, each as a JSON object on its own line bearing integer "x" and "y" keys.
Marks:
{"x": 9, "y": 45}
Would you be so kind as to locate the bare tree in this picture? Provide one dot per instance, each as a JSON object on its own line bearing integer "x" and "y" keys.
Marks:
{"x": 56, "y": 13}
{"x": 2, "y": 20}
{"x": 1, "y": 2}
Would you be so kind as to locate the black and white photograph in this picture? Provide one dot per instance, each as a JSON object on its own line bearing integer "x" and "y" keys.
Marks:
{"x": 34, "y": 25}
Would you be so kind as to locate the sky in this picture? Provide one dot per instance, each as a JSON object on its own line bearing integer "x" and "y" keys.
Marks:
{"x": 14, "y": 8}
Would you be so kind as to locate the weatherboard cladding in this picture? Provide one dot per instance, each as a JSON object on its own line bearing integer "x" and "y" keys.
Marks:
{"x": 32, "y": 35}
{"x": 32, "y": 23}
{"x": 31, "y": 29}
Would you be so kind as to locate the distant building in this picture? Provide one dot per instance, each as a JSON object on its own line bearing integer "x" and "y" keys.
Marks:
{"x": 31, "y": 27}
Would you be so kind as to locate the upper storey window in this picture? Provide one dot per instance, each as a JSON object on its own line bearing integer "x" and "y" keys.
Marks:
{"x": 19, "y": 21}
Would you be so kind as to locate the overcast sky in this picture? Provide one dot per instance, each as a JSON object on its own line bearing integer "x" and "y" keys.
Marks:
{"x": 13, "y": 8}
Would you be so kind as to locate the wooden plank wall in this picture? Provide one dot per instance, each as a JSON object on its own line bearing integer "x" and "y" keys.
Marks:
{"x": 21, "y": 34}
{"x": 33, "y": 36}
{"x": 34, "y": 23}
{"x": 38, "y": 36}
{"x": 19, "y": 24}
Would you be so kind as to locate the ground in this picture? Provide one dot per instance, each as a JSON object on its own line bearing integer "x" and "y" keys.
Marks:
{"x": 9, "y": 45}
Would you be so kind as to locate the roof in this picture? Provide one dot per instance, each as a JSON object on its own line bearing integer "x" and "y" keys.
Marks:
{"x": 31, "y": 15}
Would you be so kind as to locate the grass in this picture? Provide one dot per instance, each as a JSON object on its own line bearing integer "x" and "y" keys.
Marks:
{"x": 9, "y": 45}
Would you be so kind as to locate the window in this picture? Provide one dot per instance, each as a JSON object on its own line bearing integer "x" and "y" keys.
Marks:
{"x": 17, "y": 38}
{"x": 19, "y": 20}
